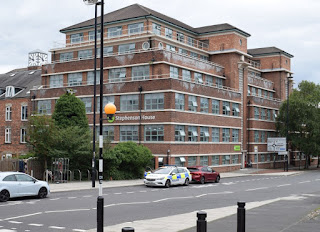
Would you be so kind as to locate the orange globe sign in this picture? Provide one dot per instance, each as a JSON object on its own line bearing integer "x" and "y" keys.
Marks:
{"x": 110, "y": 109}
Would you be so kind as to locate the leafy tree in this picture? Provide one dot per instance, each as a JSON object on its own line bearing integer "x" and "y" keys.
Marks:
{"x": 70, "y": 111}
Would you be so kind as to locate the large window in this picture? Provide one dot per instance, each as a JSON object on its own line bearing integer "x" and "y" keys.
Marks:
{"x": 90, "y": 78}
{"x": 126, "y": 48}
{"x": 204, "y": 134}
{"x": 154, "y": 101}
{"x": 225, "y": 135}
{"x": 204, "y": 105}
{"x": 168, "y": 33}
{"x": 235, "y": 135}
{"x": 235, "y": 109}
{"x": 117, "y": 74}
{"x": 215, "y": 160}
{"x": 179, "y": 100}
{"x": 76, "y": 38}
{"x": 192, "y": 103}
{"x": 256, "y": 113}
{"x": 204, "y": 160}
{"x": 8, "y": 113}
{"x": 268, "y": 114}
{"x": 215, "y": 134}
{"x": 156, "y": 28}
{"x": 24, "y": 113}
{"x": 66, "y": 56}
{"x": 23, "y": 134}
{"x": 219, "y": 82}
{"x": 263, "y": 136}
{"x": 256, "y": 137}
{"x": 107, "y": 132}
{"x": 106, "y": 51}
{"x": 140, "y": 72}
{"x": 170, "y": 47}
{"x": 198, "y": 78}
{"x": 186, "y": 75}
{"x": 74, "y": 79}
{"x": 135, "y": 28}
{"x": 44, "y": 107}
{"x": 192, "y": 134}
{"x": 180, "y": 37}
{"x": 263, "y": 113}
{"x": 179, "y": 133}
{"x": 114, "y": 31}
{"x": 154, "y": 133}
{"x": 209, "y": 80}
{"x": 7, "y": 138}
{"x": 174, "y": 72}
{"x": 192, "y": 161}
{"x": 226, "y": 159}
{"x": 56, "y": 81}
{"x": 87, "y": 103}
{"x": 129, "y": 133}
{"x": 235, "y": 159}
{"x": 226, "y": 108}
{"x": 215, "y": 106}
{"x": 183, "y": 51}
{"x": 106, "y": 100}
{"x": 92, "y": 33}
{"x": 129, "y": 102}
{"x": 84, "y": 54}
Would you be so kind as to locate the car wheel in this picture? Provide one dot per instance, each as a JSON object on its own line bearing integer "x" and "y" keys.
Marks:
{"x": 43, "y": 192}
{"x": 217, "y": 179}
{"x": 186, "y": 183}
{"x": 202, "y": 180}
{"x": 167, "y": 184}
{"x": 4, "y": 196}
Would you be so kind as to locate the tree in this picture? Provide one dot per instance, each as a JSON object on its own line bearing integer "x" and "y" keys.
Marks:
{"x": 70, "y": 111}
{"x": 304, "y": 115}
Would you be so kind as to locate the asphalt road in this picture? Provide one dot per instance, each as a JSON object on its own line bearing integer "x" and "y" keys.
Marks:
{"x": 76, "y": 210}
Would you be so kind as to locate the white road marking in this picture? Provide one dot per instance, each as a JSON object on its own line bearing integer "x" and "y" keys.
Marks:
{"x": 153, "y": 190}
{"x": 256, "y": 189}
{"x": 33, "y": 224}
{"x": 143, "y": 191}
{"x": 78, "y": 230}
{"x": 308, "y": 181}
{"x": 228, "y": 183}
{"x": 72, "y": 197}
{"x": 88, "y": 196}
{"x": 54, "y": 199}
{"x": 15, "y": 222}
{"x": 117, "y": 193}
{"x": 172, "y": 198}
{"x": 129, "y": 192}
{"x": 22, "y": 216}
{"x": 10, "y": 204}
{"x": 68, "y": 210}
{"x": 283, "y": 185}
{"x": 317, "y": 179}
{"x": 201, "y": 195}
{"x": 128, "y": 203}
{"x": 57, "y": 227}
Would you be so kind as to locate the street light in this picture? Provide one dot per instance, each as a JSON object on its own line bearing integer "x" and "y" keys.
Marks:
{"x": 100, "y": 200}
{"x": 287, "y": 124}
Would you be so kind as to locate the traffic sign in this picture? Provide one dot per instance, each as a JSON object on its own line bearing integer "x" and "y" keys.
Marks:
{"x": 277, "y": 144}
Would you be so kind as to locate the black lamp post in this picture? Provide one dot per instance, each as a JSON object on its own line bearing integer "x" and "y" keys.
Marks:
{"x": 287, "y": 124}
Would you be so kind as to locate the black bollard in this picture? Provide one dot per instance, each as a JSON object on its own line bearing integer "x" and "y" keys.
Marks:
{"x": 127, "y": 229}
{"x": 201, "y": 222}
{"x": 241, "y": 217}
{"x": 100, "y": 203}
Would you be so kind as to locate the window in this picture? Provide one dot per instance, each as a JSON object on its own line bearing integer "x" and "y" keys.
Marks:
{"x": 263, "y": 114}
{"x": 268, "y": 157}
{"x": 192, "y": 160}
{"x": 256, "y": 113}
{"x": 259, "y": 92}
{"x": 235, "y": 159}
{"x": 156, "y": 28}
{"x": 174, "y": 72}
{"x": 23, "y": 134}
{"x": 171, "y": 48}
{"x": 191, "y": 41}
{"x": 183, "y": 51}
{"x": 271, "y": 95}
{"x": 263, "y": 136}
{"x": 106, "y": 100}
{"x": 186, "y": 75}
{"x": 179, "y": 100}
{"x": 215, "y": 134}
{"x": 135, "y": 28}
{"x": 209, "y": 80}
{"x": 253, "y": 91}
{"x": 8, "y": 113}
{"x": 249, "y": 92}
{"x": 215, "y": 160}
{"x": 235, "y": 135}
{"x": 154, "y": 101}
{"x": 76, "y": 38}
{"x": 90, "y": 78}
{"x": 268, "y": 114}
{"x": 202, "y": 57}
{"x": 24, "y": 113}
{"x": 204, "y": 105}
{"x": 262, "y": 158}
{"x": 84, "y": 54}
{"x": 204, "y": 134}
{"x": 265, "y": 94}
{"x": 87, "y": 103}
{"x": 215, "y": 106}
{"x": 204, "y": 160}
{"x": 114, "y": 31}
{"x": 256, "y": 137}
{"x": 107, "y": 132}
{"x": 140, "y": 72}
{"x": 219, "y": 82}
{"x": 91, "y": 35}
{"x": 192, "y": 103}
{"x": 225, "y": 135}
{"x": 129, "y": 133}
{"x": 168, "y": 33}
{"x": 74, "y": 79}
{"x": 10, "y": 178}
{"x": 44, "y": 107}
{"x": 126, "y": 48}
{"x": 24, "y": 178}
{"x": 66, "y": 56}
{"x": 192, "y": 134}
{"x": 129, "y": 102}
{"x": 198, "y": 78}
{"x": 226, "y": 159}
{"x": 226, "y": 108}
{"x": 117, "y": 74}
{"x": 177, "y": 162}
{"x": 179, "y": 133}
{"x": 193, "y": 54}
{"x": 235, "y": 109}
{"x": 180, "y": 37}
{"x": 56, "y": 81}
{"x": 274, "y": 115}
{"x": 7, "y": 135}
{"x": 106, "y": 51}
{"x": 154, "y": 133}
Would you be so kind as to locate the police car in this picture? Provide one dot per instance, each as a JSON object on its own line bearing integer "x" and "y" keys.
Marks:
{"x": 167, "y": 176}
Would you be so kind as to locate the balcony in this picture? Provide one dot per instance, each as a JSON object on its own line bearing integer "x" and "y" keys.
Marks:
{"x": 254, "y": 64}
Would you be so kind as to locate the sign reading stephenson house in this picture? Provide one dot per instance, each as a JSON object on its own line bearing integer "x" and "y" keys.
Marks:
{"x": 133, "y": 118}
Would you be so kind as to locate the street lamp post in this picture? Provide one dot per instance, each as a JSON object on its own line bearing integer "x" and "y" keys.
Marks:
{"x": 286, "y": 164}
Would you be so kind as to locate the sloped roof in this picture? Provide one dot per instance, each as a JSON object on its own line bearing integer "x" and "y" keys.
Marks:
{"x": 267, "y": 51}
{"x": 22, "y": 78}
{"x": 138, "y": 11}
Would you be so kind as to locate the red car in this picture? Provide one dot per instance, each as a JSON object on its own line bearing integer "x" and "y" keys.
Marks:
{"x": 204, "y": 174}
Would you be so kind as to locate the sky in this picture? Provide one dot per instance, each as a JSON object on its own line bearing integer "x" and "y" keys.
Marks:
{"x": 290, "y": 25}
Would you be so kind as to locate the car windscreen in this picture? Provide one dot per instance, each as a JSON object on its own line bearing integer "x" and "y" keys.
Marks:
{"x": 193, "y": 169}
{"x": 162, "y": 171}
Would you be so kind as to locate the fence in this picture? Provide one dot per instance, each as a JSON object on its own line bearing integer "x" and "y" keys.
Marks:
{"x": 31, "y": 166}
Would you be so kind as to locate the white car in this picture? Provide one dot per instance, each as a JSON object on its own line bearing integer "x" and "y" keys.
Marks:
{"x": 167, "y": 176}
{"x": 16, "y": 184}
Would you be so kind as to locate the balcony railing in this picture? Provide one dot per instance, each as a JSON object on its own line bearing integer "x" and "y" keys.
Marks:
{"x": 131, "y": 33}
{"x": 255, "y": 64}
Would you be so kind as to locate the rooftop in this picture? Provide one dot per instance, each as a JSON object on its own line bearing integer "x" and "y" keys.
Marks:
{"x": 267, "y": 51}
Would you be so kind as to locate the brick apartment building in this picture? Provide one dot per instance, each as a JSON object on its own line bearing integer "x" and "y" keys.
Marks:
{"x": 194, "y": 96}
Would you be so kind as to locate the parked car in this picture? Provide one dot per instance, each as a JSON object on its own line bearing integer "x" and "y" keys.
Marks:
{"x": 16, "y": 184}
{"x": 167, "y": 176}
{"x": 204, "y": 174}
